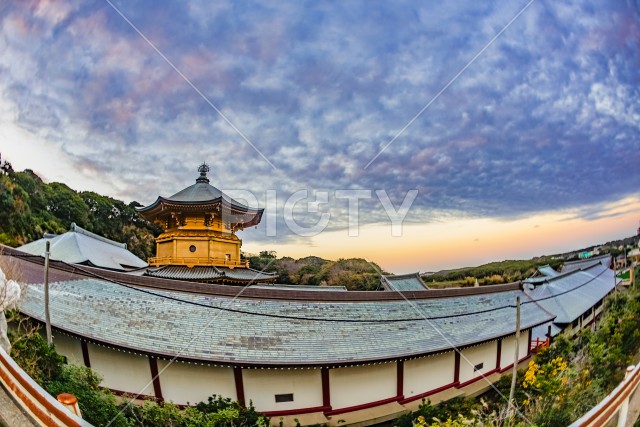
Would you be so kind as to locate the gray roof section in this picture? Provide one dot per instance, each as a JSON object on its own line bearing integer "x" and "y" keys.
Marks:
{"x": 79, "y": 246}
{"x": 202, "y": 191}
{"x": 568, "y": 296}
{"x": 276, "y": 332}
{"x": 547, "y": 271}
{"x": 300, "y": 287}
{"x": 199, "y": 192}
{"x": 540, "y": 331}
{"x": 582, "y": 264}
{"x": 404, "y": 282}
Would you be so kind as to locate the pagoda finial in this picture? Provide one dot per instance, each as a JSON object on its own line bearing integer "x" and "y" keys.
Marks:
{"x": 203, "y": 169}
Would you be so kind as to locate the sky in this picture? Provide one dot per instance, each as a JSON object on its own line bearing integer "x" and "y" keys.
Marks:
{"x": 508, "y": 129}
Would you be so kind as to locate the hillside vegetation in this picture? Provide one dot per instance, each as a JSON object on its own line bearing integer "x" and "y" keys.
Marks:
{"x": 492, "y": 273}
{"x": 353, "y": 273}
{"x": 29, "y": 208}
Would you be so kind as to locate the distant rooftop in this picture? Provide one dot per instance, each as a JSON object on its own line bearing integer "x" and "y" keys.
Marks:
{"x": 547, "y": 271}
{"x": 79, "y": 246}
{"x": 586, "y": 263}
{"x": 403, "y": 282}
{"x": 569, "y": 295}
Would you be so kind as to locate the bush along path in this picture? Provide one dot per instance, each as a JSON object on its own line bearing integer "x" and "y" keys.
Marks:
{"x": 99, "y": 406}
{"x": 563, "y": 382}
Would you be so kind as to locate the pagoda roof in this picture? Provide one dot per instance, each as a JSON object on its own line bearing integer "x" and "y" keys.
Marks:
{"x": 202, "y": 196}
{"x": 211, "y": 273}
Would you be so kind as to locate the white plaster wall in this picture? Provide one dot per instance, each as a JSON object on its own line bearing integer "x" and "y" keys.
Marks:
{"x": 121, "y": 371}
{"x": 69, "y": 347}
{"x": 184, "y": 383}
{"x": 261, "y": 386}
{"x": 356, "y": 385}
{"x": 524, "y": 344}
{"x": 428, "y": 373}
{"x": 484, "y": 353}
{"x": 508, "y": 347}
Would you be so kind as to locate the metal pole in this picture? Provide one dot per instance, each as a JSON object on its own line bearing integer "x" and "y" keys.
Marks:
{"x": 47, "y": 316}
{"x": 514, "y": 373}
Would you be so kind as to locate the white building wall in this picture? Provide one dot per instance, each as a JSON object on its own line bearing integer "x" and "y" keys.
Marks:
{"x": 508, "y": 348}
{"x": 121, "y": 371}
{"x": 184, "y": 383}
{"x": 68, "y": 347}
{"x": 261, "y": 386}
{"x": 428, "y": 373}
{"x": 484, "y": 353}
{"x": 356, "y": 385}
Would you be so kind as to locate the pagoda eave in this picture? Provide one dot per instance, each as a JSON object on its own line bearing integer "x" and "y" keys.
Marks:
{"x": 239, "y": 215}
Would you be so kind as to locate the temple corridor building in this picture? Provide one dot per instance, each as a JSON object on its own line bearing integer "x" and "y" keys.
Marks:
{"x": 181, "y": 329}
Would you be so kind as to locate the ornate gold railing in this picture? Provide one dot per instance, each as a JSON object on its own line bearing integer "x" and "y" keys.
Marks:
{"x": 193, "y": 261}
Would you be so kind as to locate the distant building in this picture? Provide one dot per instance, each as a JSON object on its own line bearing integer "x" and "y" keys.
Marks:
{"x": 585, "y": 254}
{"x": 575, "y": 296}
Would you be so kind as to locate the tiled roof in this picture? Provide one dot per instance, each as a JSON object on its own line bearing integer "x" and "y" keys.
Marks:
{"x": 570, "y": 295}
{"x": 273, "y": 332}
{"x": 79, "y": 246}
{"x": 183, "y": 272}
{"x": 206, "y": 273}
{"x": 404, "y": 282}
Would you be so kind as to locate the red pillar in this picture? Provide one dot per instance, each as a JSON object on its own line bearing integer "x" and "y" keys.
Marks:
{"x": 85, "y": 354}
{"x": 456, "y": 372}
{"x": 400, "y": 379}
{"x": 155, "y": 376}
{"x": 237, "y": 375}
{"x": 326, "y": 389}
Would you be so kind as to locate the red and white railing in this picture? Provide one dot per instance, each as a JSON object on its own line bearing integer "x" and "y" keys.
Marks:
{"x": 617, "y": 402}
{"x": 538, "y": 344}
{"x": 42, "y": 408}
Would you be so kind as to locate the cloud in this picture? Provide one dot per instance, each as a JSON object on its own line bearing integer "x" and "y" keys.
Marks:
{"x": 545, "y": 119}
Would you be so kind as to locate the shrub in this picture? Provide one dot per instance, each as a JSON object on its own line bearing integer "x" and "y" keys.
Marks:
{"x": 98, "y": 405}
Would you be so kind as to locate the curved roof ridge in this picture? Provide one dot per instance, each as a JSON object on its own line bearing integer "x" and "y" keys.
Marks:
{"x": 76, "y": 228}
{"x": 250, "y": 293}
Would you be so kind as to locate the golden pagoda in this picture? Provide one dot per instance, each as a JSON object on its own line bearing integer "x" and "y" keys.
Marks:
{"x": 199, "y": 240}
